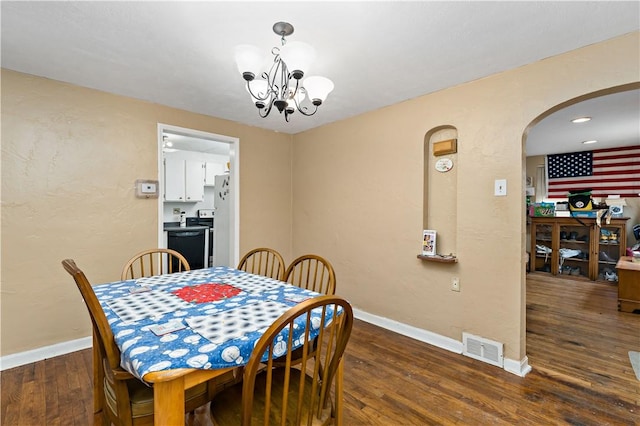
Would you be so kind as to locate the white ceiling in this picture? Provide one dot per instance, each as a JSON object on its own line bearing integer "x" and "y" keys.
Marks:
{"x": 377, "y": 53}
{"x": 615, "y": 122}
{"x": 173, "y": 141}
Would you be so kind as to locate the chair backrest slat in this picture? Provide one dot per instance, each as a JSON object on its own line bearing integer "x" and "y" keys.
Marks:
{"x": 297, "y": 391}
{"x": 154, "y": 261}
{"x": 313, "y": 273}
{"x": 263, "y": 261}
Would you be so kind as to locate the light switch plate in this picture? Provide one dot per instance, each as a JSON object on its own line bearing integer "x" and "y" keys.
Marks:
{"x": 500, "y": 188}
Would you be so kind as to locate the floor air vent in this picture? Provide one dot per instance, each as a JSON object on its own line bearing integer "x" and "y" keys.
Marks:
{"x": 483, "y": 349}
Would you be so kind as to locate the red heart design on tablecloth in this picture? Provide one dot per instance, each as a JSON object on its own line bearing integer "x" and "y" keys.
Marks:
{"x": 208, "y": 292}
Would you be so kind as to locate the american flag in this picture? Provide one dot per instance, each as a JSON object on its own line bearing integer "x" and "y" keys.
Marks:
{"x": 606, "y": 172}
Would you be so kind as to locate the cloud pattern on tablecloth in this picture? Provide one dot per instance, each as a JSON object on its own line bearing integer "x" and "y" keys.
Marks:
{"x": 143, "y": 351}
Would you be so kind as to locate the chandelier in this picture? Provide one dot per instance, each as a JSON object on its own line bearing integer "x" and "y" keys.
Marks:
{"x": 283, "y": 85}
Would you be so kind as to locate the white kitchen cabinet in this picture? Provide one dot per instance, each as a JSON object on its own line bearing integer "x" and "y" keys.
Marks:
{"x": 194, "y": 180}
{"x": 211, "y": 170}
{"x": 183, "y": 180}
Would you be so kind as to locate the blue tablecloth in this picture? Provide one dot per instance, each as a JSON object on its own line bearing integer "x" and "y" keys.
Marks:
{"x": 217, "y": 334}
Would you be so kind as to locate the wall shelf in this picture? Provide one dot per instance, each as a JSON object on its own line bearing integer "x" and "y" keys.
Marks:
{"x": 447, "y": 258}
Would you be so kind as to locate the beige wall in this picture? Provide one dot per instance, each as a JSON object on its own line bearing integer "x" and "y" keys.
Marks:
{"x": 70, "y": 157}
{"x": 532, "y": 165}
{"x": 357, "y": 193}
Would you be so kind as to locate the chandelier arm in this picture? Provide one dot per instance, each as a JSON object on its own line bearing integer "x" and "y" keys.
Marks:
{"x": 267, "y": 95}
{"x": 284, "y": 80}
{"x": 294, "y": 91}
{"x": 303, "y": 109}
{"x": 266, "y": 110}
{"x": 270, "y": 76}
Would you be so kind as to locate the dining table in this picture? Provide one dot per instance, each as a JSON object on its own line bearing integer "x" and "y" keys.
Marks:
{"x": 177, "y": 330}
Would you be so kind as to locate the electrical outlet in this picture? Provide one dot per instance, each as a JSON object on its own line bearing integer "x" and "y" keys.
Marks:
{"x": 176, "y": 210}
{"x": 455, "y": 284}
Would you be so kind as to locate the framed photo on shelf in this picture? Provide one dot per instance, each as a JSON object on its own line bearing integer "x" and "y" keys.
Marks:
{"x": 429, "y": 242}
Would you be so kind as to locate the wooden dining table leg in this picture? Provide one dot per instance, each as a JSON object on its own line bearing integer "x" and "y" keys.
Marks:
{"x": 168, "y": 402}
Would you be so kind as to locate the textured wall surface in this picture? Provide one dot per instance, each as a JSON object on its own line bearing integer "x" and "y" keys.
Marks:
{"x": 364, "y": 210}
{"x": 70, "y": 157}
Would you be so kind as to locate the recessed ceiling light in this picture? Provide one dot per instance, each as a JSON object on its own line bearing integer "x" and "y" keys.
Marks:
{"x": 589, "y": 142}
{"x": 581, "y": 120}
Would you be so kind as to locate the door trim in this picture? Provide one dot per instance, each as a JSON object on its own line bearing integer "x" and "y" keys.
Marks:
{"x": 234, "y": 172}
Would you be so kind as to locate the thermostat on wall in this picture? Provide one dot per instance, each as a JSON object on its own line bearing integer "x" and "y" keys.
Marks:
{"x": 146, "y": 188}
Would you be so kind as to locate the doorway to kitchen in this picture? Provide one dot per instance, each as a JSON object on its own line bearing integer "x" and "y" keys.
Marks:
{"x": 214, "y": 187}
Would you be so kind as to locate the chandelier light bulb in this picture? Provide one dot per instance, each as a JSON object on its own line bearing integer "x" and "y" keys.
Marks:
{"x": 249, "y": 60}
{"x": 258, "y": 90}
{"x": 318, "y": 88}
{"x": 298, "y": 56}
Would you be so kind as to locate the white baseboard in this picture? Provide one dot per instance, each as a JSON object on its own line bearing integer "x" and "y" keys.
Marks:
{"x": 27, "y": 357}
{"x": 520, "y": 368}
{"x": 434, "y": 339}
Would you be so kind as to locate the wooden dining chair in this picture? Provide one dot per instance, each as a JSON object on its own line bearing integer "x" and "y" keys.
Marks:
{"x": 313, "y": 273}
{"x": 154, "y": 261}
{"x": 263, "y": 261}
{"x": 292, "y": 394}
{"x": 122, "y": 399}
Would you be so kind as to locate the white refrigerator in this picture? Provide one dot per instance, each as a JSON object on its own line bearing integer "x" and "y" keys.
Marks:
{"x": 222, "y": 221}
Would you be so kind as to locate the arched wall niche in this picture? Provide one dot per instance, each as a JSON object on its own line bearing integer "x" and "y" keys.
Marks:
{"x": 440, "y": 191}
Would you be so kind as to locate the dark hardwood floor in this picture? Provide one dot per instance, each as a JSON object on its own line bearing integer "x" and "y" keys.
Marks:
{"x": 577, "y": 343}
